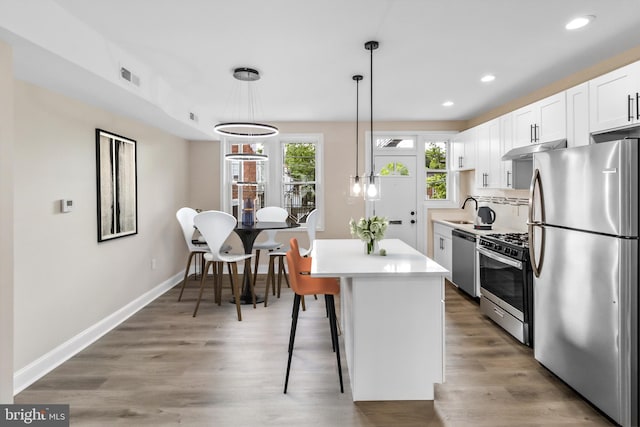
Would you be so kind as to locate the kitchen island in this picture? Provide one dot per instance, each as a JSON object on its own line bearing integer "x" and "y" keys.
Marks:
{"x": 392, "y": 316}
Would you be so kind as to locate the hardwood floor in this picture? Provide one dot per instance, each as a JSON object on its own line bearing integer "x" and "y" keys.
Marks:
{"x": 162, "y": 367}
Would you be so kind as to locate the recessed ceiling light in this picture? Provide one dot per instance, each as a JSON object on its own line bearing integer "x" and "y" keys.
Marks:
{"x": 579, "y": 22}
{"x": 447, "y": 103}
{"x": 488, "y": 78}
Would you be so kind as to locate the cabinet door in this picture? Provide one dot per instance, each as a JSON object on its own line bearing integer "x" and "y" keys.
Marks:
{"x": 457, "y": 152}
{"x": 469, "y": 142}
{"x": 463, "y": 151}
{"x": 442, "y": 252}
{"x": 488, "y": 155}
{"x": 506, "y": 144}
{"x": 613, "y": 99}
{"x": 523, "y": 121}
{"x": 552, "y": 118}
{"x": 578, "y": 115}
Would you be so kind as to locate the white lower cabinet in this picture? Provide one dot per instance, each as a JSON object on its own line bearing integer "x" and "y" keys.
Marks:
{"x": 442, "y": 252}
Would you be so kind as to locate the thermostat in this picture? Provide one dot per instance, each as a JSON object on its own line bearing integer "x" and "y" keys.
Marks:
{"x": 66, "y": 205}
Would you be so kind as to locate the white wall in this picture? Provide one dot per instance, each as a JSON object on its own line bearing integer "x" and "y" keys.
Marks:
{"x": 65, "y": 281}
{"x": 6, "y": 224}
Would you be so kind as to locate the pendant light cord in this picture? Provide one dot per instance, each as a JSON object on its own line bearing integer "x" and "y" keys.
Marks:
{"x": 357, "y": 116}
{"x": 371, "y": 109}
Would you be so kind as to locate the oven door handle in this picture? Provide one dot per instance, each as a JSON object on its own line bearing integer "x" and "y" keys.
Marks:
{"x": 509, "y": 261}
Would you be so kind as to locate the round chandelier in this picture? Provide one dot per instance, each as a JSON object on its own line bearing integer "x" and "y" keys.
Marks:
{"x": 250, "y": 128}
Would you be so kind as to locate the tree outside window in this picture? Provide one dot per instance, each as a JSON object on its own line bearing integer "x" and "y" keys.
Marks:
{"x": 299, "y": 179}
{"x": 435, "y": 155}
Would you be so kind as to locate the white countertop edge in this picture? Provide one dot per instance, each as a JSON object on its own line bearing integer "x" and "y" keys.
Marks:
{"x": 401, "y": 260}
{"x": 469, "y": 228}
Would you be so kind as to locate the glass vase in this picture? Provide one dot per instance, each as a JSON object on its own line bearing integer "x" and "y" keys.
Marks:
{"x": 371, "y": 247}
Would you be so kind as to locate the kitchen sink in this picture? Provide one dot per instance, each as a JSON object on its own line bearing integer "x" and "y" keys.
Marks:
{"x": 458, "y": 221}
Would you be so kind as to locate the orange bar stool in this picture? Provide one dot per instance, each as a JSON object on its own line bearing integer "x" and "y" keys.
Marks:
{"x": 302, "y": 284}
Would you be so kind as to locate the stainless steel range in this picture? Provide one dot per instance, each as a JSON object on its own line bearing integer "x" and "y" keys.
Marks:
{"x": 506, "y": 283}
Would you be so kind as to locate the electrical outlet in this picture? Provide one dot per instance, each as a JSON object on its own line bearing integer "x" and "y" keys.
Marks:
{"x": 154, "y": 264}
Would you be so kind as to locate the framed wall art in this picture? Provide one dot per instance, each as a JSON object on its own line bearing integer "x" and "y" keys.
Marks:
{"x": 117, "y": 183}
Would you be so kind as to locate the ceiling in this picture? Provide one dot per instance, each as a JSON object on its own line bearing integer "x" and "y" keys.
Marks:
{"x": 430, "y": 51}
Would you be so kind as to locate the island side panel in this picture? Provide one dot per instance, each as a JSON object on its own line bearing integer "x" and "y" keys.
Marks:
{"x": 346, "y": 319}
{"x": 398, "y": 337}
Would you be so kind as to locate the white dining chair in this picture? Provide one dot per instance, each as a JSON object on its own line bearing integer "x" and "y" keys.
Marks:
{"x": 216, "y": 227}
{"x": 268, "y": 214}
{"x": 185, "y": 218}
{"x": 280, "y": 254}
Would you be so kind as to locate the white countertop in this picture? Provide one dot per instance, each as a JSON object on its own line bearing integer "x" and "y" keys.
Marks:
{"x": 347, "y": 258}
{"x": 469, "y": 228}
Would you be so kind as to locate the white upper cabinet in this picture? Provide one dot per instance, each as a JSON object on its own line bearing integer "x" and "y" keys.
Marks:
{"x": 542, "y": 121}
{"x": 463, "y": 150}
{"x": 578, "y": 115}
{"x": 615, "y": 99}
{"x": 488, "y": 163}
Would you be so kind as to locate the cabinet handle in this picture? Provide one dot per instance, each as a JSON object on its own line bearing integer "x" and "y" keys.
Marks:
{"x": 629, "y": 107}
{"x": 637, "y": 106}
{"x": 460, "y": 161}
{"x": 536, "y": 133}
{"x": 530, "y": 133}
{"x": 508, "y": 180}
{"x": 441, "y": 243}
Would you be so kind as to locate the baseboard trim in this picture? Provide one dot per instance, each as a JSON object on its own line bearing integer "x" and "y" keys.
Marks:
{"x": 26, "y": 376}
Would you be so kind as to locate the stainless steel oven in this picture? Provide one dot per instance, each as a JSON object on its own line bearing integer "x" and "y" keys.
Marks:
{"x": 506, "y": 283}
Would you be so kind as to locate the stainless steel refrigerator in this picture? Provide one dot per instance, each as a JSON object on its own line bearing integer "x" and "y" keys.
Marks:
{"x": 583, "y": 233}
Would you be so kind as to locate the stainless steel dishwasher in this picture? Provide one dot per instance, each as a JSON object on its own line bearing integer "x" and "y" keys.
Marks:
{"x": 463, "y": 264}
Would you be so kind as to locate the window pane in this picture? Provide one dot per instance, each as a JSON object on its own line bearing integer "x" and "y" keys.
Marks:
{"x": 299, "y": 162}
{"x": 435, "y": 155}
{"x": 436, "y": 185}
{"x": 299, "y": 200}
{"x": 298, "y": 179}
{"x": 247, "y": 177}
{"x": 394, "y": 168}
{"x": 402, "y": 143}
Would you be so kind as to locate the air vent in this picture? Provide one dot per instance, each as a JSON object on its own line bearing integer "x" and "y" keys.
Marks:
{"x": 129, "y": 76}
{"x": 193, "y": 117}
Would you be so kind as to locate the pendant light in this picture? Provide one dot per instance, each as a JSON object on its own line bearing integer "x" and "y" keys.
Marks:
{"x": 249, "y": 129}
{"x": 372, "y": 187}
{"x": 355, "y": 187}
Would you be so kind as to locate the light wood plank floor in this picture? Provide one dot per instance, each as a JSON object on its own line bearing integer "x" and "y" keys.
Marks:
{"x": 162, "y": 367}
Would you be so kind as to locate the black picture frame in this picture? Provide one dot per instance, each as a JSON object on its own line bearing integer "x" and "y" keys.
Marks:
{"x": 117, "y": 185}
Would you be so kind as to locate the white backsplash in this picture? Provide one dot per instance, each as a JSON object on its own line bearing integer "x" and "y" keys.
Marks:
{"x": 510, "y": 206}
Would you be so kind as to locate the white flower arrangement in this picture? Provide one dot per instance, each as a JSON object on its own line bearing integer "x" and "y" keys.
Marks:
{"x": 369, "y": 230}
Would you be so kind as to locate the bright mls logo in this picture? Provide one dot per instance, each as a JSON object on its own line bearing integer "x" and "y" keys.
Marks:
{"x": 34, "y": 415}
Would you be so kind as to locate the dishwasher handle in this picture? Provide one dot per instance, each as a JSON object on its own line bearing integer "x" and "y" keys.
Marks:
{"x": 463, "y": 235}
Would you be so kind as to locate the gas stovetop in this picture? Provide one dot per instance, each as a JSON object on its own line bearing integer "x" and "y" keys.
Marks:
{"x": 513, "y": 245}
{"x": 516, "y": 239}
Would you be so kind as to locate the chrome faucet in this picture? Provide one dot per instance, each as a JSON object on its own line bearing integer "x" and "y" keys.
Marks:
{"x": 467, "y": 199}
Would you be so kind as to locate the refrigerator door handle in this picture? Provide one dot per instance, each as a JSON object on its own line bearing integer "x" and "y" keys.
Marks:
{"x": 536, "y": 266}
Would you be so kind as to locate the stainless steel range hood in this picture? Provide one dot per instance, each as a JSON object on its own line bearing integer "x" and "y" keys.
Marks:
{"x": 526, "y": 152}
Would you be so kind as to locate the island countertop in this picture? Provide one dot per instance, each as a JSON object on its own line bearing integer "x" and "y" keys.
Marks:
{"x": 347, "y": 258}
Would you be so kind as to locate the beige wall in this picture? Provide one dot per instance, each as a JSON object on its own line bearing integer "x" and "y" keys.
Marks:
{"x": 6, "y": 224}
{"x": 65, "y": 281}
{"x": 204, "y": 175}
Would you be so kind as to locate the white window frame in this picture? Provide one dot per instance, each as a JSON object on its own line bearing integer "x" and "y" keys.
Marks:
{"x": 452, "y": 176}
{"x": 273, "y": 148}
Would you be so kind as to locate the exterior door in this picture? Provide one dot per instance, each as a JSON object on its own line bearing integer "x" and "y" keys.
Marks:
{"x": 398, "y": 200}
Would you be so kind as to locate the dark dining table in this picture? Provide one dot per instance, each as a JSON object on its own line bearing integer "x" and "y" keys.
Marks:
{"x": 248, "y": 234}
